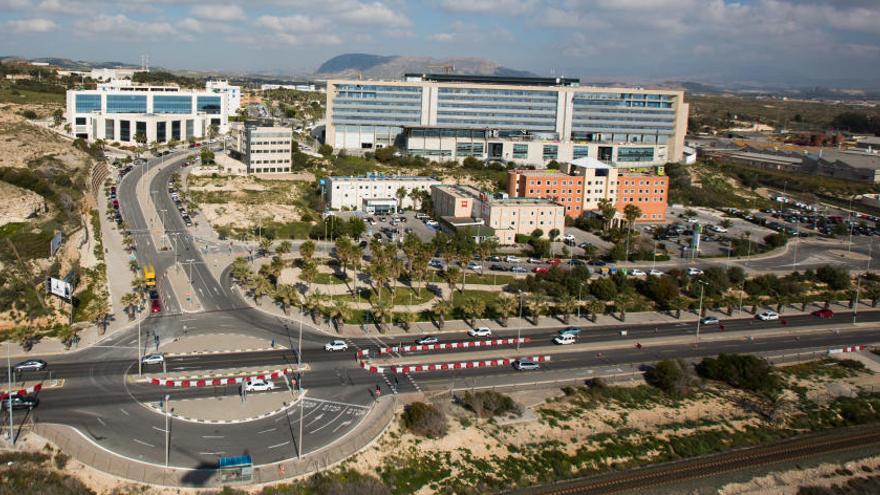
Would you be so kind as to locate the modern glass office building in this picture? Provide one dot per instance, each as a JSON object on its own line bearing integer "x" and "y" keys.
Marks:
{"x": 525, "y": 120}
{"x": 120, "y": 110}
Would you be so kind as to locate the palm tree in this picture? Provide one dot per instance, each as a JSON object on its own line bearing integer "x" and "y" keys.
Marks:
{"x": 505, "y": 306}
{"x": 419, "y": 268}
{"x": 537, "y": 305}
{"x": 130, "y": 301}
{"x": 439, "y": 310}
{"x": 453, "y": 278}
{"x": 343, "y": 247}
{"x": 412, "y": 245}
{"x": 472, "y": 307}
{"x": 401, "y": 195}
{"x": 139, "y": 285}
{"x": 382, "y": 312}
{"x": 485, "y": 249}
{"x": 339, "y": 312}
{"x": 607, "y": 210}
{"x": 623, "y": 301}
{"x": 679, "y": 304}
{"x": 288, "y": 296}
{"x": 312, "y": 304}
{"x": 68, "y": 334}
{"x": 595, "y": 307}
{"x": 265, "y": 246}
{"x": 261, "y": 287}
{"x": 406, "y": 319}
{"x": 307, "y": 250}
{"x": 283, "y": 248}
{"x": 631, "y": 213}
{"x": 828, "y": 296}
{"x": 133, "y": 265}
{"x": 872, "y": 292}
{"x": 308, "y": 273}
{"x": 566, "y": 305}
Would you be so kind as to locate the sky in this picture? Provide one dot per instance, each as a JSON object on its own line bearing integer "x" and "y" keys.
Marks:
{"x": 792, "y": 42}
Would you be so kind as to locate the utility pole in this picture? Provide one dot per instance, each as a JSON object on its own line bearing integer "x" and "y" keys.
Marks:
{"x": 140, "y": 350}
{"x": 167, "y": 430}
{"x": 518, "y": 327}
{"x": 299, "y": 444}
{"x": 700, "y": 311}
{"x": 9, "y": 371}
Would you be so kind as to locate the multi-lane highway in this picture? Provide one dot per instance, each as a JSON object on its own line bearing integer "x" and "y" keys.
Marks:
{"x": 107, "y": 407}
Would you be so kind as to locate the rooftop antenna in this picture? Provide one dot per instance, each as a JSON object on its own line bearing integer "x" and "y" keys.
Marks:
{"x": 145, "y": 63}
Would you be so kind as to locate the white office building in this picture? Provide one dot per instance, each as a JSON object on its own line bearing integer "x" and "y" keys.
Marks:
{"x": 374, "y": 194}
{"x": 119, "y": 110}
{"x": 233, "y": 94}
{"x": 263, "y": 150}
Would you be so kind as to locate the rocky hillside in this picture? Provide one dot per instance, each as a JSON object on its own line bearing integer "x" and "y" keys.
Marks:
{"x": 353, "y": 65}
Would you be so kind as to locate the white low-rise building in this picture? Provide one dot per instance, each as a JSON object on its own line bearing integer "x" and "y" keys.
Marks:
{"x": 375, "y": 194}
{"x": 263, "y": 150}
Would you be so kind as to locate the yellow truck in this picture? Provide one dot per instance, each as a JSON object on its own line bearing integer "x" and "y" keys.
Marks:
{"x": 150, "y": 276}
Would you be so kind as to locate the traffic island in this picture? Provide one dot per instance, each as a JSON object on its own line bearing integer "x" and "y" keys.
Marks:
{"x": 218, "y": 343}
{"x": 230, "y": 409}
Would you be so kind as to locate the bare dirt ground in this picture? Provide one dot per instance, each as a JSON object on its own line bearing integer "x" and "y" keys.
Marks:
{"x": 789, "y": 482}
{"x": 21, "y": 141}
{"x": 18, "y": 204}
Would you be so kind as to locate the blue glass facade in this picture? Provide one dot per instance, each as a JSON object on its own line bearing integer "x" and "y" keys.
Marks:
{"x": 126, "y": 104}
{"x": 87, "y": 103}
{"x": 623, "y": 117}
{"x": 208, "y": 104}
{"x": 377, "y": 105}
{"x": 635, "y": 154}
{"x": 172, "y": 104}
{"x": 497, "y": 108}
{"x": 125, "y": 130}
{"x": 161, "y": 134}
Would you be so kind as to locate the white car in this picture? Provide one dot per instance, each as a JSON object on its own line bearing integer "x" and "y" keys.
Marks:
{"x": 480, "y": 332}
{"x": 512, "y": 259}
{"x": 565, "y": 339}
{"x": 473, "y": 265}
{"x": 719, "y": 229}
{"x": 432, "y": 223}
{"x": 153, "y": 359}
{"x": 768, "y": 316}
{"x": 694, "y": 272}
{"x": 568, "y": 237}
{"x": 336, "y": 345}
{"x": 257, "y": 385}
{"x": 535, "y": 260}
{"x": 655, "y": 273}
{"x": 635, "y": 272}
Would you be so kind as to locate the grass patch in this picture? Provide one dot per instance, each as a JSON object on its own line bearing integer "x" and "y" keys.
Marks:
{"x": 825, "y": 368}
{"x": 329, "y": 278}
{"x": 404, "y": 295}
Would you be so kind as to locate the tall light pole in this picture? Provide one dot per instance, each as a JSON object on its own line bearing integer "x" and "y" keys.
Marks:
{"x": 299, "y": 444}
{"x": 9, "y": 371}
{"x": 140, "y": 350}
{"x": 519, "y": 327}
{"x": 167, "y": 430}
{"x": 700, "y": 310}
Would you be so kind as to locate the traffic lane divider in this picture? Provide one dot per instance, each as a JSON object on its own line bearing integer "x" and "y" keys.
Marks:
{"x": 418, "y": 368}
{"x": 853, "y": 348}
{"x": 24, "y": 391}
{"x": 213, "y": 382}
{"x": 467, "y": 344}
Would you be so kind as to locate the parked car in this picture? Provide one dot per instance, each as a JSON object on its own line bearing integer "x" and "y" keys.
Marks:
{"x": 535, "y": 260}
{"x": 31, "y": 365}
{"x": 19, "y": 401}
{"x": 155, "y": 306}
{"x": 694, "y": 271}
{"x": 655, "y": 273}
{"x": 768, "y": 315}
{"x": 568, "y": 237}
{"x": 494, "y": 258}
{"x": 635, "y": 272}
{"x": 596, "y": 263}
{"x": 823, "y": 313}
{"x": 512, "y": 259}
{"x": 555, "y": 262}
{"x": 154, "y": 294}
{"x": 436, "y": 264}
{"x": 524, "y": 364}
{"x": 473, "y": 265}
{"x": 498, "y": 268}
{"x": 336, "y": 345}
{"x": 480, "y": 332}
{"x": 518, "y": 269}
{"x": 258, "y": 385}
{"x": 429, "y": 339}
{"x": 710, "y": 320}
{"x": 541, "y": 269}
{"x": 155, "y": 358}
{"x": 564, "y": 339}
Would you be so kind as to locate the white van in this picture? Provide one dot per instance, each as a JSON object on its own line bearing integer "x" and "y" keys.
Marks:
{"x": 565, "y": 339}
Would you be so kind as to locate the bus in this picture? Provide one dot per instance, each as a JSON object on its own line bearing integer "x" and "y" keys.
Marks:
{"x": 150, "y": 276}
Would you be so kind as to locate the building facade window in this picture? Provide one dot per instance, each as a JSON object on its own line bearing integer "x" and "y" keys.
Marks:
{"x": 189, "y": 128}
{"x": 208, "y": 104}
{"x": 581, "y": 152}
{"x": 141, "y": 128}
{"x": 125, "y": 130}
{"x": 87, "y": 103}
{"x": 635, "y": 154}
{"x": 126, "y": 104}
{"x": 161, "y": 128}
{"x": 550, "y": 152}
{"x": 172, "y": 104}
{"x": 109, "y": 129}
{"x": 175, "y": 130}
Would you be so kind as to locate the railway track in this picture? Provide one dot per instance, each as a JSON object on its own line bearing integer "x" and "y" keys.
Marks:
{"x": 793, "y": 449}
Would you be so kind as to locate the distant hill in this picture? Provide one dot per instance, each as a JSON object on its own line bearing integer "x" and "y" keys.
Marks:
{"x": 68, "y": 64}
{"x": 370, "y": 66}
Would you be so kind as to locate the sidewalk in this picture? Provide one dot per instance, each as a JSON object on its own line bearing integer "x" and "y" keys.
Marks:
{"x": 77, "y": 445}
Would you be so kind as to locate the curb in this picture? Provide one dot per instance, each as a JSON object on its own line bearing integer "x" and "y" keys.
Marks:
{"x": 417, "y": 368}
{"x": 215, "y": 380}
{"x": 279, "y": 410}
{"x": 227, "y": 351}
{"x": 454, "y": 345}
{"x": 854, "y": 348}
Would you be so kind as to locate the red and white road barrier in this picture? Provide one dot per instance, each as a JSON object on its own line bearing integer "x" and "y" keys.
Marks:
{"x": 454, "y": 345}
{"x": 854, "y": 348}
{"x": 418, "y": 368}
{"x": 213, "y": 382}
{"x": 25, "y": 391}
{"x": 363, "y": 353}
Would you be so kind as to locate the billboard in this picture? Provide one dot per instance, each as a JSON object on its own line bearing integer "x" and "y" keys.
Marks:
{"x": 60, "y": 288}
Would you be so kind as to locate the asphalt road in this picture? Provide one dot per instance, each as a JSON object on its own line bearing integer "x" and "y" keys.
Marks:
{"x": 98, "y": 399}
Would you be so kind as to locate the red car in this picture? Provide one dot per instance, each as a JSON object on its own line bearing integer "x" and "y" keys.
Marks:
{"x": 554, "y": 262}
{"x": 823, "y": 313}
{"x": 116, "y": 204}
{"x": 541, "y": 269}
{"x": 156, "y": 306}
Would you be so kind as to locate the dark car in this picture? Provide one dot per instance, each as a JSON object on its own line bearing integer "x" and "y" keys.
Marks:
{"x": 494, "y": 258}
{"x": 823, "y": 313}
{"x": 498, "y": 268}
{"x": 154, "y": 294}
{"x": 596, "y": 263}
{"x": 20, "y": 402}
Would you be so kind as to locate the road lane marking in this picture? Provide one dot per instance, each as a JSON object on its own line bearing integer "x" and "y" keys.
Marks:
{"x": 328, "y": 423}
{"x": 278, "y": 445}
{"x": 123, "y": 411}
{"x": 266, "y": 431}
{"x": 159, "y": 429}
{"x": 341, "y": 425}
{"x": 336, "y": 402}
{"x": 101, "y": 421}
{"x": 213, "y": 453}
{"x": 212, "y": 436}
{"x": 318, "y": 417}
{"x": 143, "y": 443}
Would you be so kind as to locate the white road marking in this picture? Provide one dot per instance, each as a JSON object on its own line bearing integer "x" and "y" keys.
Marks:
{"x": 328, "y": 423}
{"x": 143, "y": 443}
{"x": 343, "y": 424}
{"x": 123, "y": 411}
{"x": 335, "y": 402}
{"x": 278, "y": 445}
{"x": 266, "y": 431}
{"x": 212, "y": 453}
{"x": 101, "y": 421}
{"x": 315, "y": 419}
{"x": 159, "y": 429}
{"x": 212, "y": 436}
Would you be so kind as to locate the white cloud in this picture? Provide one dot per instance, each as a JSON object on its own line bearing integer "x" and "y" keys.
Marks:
{"x": 218, "y": 12}
{"x": 293, "y": 23}
{"x": 14, "y": 4}
{"x": 373, "y": 13}
{"x": 32, "y": 25}
{"x": 498, "y": 7}
{"x": 121, "y": 26}
{"x": 442, "y": 37}
{"x": 62, "y": 7}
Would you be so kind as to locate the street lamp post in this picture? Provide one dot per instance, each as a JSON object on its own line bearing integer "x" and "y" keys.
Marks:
{"x": 167, "y": 430}
{"x": 139, "y": 358}
{"x": 299, "y": 385}
{"x": 9, "y": 371}
{"x": 700, "y": 310}
{"x": 519, "y": 327}
{"x": 580, "y": 286}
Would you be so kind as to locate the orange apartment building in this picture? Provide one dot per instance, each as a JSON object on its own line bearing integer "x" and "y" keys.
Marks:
{"x": 585, "y": 184}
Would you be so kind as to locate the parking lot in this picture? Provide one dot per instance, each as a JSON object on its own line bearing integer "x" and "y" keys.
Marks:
{"x": 392, "y": 227}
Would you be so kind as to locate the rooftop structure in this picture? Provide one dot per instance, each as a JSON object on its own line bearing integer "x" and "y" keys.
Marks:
{"x": 858, "y": 166}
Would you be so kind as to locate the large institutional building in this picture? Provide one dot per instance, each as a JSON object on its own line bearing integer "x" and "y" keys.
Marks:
{"x": 263, "y": 150}
{"x": 374, "y": 194}
{"x": 119, "y": 110}
{"x": 495, "y": 216}
{"x": 583, "y": 183}
{"x": 525, "y": 120}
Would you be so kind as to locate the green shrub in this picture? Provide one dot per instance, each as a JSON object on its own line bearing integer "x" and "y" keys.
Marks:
{"x": 489, "y": 403}
{"x": 671, "y": 376}
{"x": 425, "y": 420}
{"x": 741, "y": 371}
